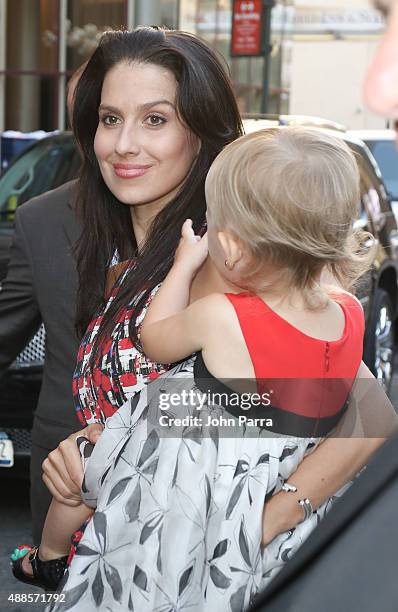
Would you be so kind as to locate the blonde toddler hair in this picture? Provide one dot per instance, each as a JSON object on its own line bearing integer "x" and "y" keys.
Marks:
{"x": 291, "y": 194}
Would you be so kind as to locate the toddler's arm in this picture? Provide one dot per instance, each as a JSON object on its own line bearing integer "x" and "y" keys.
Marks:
{"x": 171, "y": 330}
{"x": 61, "y": 522}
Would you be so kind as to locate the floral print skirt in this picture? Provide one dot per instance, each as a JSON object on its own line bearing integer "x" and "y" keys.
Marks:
{"x": 178, "y": 519}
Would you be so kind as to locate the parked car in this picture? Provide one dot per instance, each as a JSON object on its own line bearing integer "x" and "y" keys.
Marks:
{"x": 54, "y": 160}
{"x": 383, "y": 146}
{"x": 45, "y": 165}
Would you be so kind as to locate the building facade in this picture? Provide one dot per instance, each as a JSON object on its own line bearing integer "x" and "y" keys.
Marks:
{"x": 333, "y": 43}
{"x": 319, "y": 50}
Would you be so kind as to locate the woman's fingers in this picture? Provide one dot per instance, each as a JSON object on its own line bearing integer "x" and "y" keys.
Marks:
{"x": 93, "y": 432}
{"x": 55, "y": 469}
{"x": 69, "y": 462}
{"x": 63, "y": 471}
{"x": 63, "y": 499}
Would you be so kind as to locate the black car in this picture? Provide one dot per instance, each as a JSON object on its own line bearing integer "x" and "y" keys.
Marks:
{"x": 54, "y": 160}
{"x": 383, "y": 146}
{"x": 45, "y": 165}
{"x": 379, "y": 296}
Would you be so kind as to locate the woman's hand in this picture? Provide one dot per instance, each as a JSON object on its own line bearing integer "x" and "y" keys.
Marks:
{"x": 63, "y": 471}
{"x": 281, "y": 513}
{"x": 321, "y": 474}
{"x": 192, "y": 250}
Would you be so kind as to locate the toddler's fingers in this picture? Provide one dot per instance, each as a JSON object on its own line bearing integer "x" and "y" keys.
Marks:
{"x": 186, "y": 230}
{"x": 204, "y": 240}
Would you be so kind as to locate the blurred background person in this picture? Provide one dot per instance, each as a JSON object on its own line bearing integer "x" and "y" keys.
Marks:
{"x": 40, "y": 287}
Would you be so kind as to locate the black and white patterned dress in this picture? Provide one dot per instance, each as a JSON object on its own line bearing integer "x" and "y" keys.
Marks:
{"x": 178, "y": 518}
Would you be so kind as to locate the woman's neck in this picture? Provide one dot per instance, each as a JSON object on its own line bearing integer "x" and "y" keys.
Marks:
{"x": 142, "y": 215}
{"x": 141, "y": 218}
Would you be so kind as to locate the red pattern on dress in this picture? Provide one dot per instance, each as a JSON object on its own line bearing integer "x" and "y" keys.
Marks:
{"x": 119, "y": 370}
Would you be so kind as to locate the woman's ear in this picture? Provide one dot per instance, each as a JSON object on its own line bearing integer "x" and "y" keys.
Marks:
{"x": 231, "y": 247}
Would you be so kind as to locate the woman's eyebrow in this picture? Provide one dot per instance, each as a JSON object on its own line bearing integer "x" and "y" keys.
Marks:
{"x": 141, "y": 107}
{"x": 149, "y": 105}
{"x": 110, "y": 109}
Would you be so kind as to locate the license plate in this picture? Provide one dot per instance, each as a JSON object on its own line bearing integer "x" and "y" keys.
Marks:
{"x": 6, "y": 451}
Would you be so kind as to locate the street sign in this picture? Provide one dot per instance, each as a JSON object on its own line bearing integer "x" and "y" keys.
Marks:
{"x": 247, "y": 28}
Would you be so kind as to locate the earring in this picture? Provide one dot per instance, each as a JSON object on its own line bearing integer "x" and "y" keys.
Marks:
{"x": 227, "y": 265}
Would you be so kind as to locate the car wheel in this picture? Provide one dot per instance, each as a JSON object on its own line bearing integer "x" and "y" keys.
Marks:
{"x": 379, "y": 340}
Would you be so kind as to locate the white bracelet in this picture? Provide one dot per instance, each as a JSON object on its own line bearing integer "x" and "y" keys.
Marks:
{"x": 307, "y": 508}
{"x": 289, "y": 488}
{"x": 304, "y": 503}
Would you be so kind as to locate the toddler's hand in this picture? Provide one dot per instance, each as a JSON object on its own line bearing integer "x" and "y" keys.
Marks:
{"x": 192, "y": 250}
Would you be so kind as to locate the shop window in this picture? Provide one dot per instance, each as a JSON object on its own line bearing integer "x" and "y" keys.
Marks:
{"x": 31, "y": 102}
{"x": 27, "y": 47}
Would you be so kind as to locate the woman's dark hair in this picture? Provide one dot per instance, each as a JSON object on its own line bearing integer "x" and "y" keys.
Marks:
{"x": 206, "y": 104}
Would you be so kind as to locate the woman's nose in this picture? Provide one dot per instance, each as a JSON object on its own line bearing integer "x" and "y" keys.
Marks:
{"x": 128, "y": 140}
{"x": 381, "y": 82}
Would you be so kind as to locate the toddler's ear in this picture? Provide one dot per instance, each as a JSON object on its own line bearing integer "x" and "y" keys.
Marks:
{"x": 232, "y": 248}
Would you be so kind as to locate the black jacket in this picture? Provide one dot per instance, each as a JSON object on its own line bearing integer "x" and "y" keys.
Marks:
{"x": 40, "y": 286}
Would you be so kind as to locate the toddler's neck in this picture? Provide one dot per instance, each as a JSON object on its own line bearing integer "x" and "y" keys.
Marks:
{"x": 208, "y": 280}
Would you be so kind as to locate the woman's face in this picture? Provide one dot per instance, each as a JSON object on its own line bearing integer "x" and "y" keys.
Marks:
{"x": 143, "y": 150}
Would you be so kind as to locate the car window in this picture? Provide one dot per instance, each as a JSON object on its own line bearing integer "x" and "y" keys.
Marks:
{"x": 364, "y": 219}
{"x": 374, "y": 200}
{"x": 48, "y": 164}
{"x": 386, "y": 155}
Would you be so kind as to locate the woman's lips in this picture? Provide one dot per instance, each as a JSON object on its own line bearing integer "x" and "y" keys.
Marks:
{"x": 129, "y": 171}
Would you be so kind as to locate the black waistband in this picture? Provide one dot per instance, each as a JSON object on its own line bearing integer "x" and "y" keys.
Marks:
{"x": 284, "y": 422}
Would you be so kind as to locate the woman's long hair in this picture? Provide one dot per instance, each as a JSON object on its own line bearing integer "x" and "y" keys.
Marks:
{"x": 206, "y": 104}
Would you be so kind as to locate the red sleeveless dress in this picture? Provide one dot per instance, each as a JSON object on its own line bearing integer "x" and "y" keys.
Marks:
{"x": 306, "y": 381}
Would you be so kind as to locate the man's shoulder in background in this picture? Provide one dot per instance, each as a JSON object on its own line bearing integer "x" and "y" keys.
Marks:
{"x": 49, "y": 205}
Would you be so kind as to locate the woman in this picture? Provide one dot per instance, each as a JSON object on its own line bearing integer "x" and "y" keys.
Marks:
{"x": 152, "y": 110}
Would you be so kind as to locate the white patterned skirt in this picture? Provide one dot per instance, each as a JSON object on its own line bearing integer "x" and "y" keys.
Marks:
{"x": 179, "y": 518}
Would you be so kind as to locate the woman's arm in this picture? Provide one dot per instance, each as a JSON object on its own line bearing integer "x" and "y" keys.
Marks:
{"x": 319, "y": 476}
{"x": 369, "y": 420}
{"x": 170, "y": 330}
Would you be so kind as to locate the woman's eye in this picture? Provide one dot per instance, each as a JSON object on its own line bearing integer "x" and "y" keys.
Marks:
{"x": 110, "y": 120}
{"x": 154, "y": 120}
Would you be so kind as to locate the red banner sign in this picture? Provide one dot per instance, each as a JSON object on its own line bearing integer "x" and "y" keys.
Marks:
{"x": 247, "y": 26}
